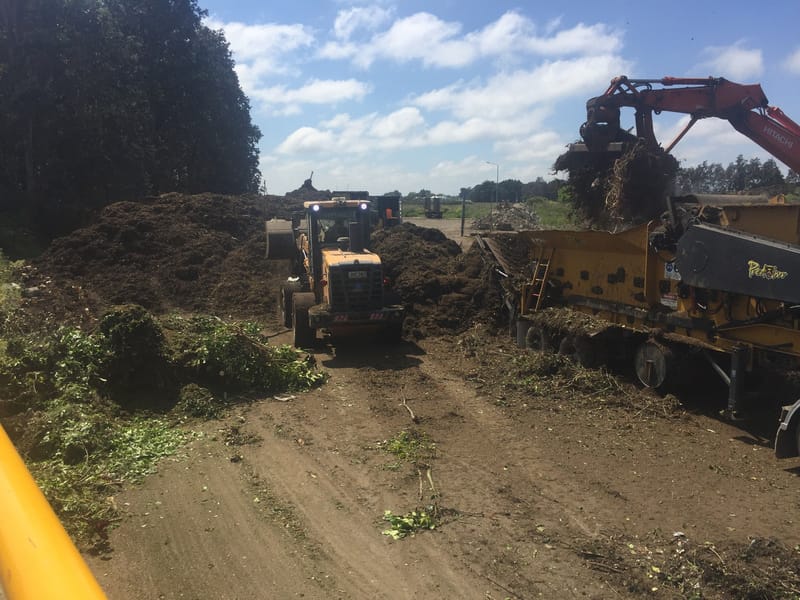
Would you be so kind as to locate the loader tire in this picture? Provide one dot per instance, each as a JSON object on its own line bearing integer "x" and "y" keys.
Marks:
{"x": 288, "y": 290}
{"x": 304, "y": 334}
{"x": 392, "y": 334}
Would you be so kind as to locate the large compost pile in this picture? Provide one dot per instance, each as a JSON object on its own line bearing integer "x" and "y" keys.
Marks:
{"x": 206, "y": 254}
{"x": 201, "y": 253}
{"x": 445, "y": 290}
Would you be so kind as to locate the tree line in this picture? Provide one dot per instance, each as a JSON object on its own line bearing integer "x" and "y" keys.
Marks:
{"x": 751, "y": 176}
{"x": 107, "y": 100}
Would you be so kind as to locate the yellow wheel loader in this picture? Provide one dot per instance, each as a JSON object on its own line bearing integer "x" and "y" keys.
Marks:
{"x": 337, "y": 284}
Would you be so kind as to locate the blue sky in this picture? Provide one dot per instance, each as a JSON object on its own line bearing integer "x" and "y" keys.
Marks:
{"x": 405, "y": 95}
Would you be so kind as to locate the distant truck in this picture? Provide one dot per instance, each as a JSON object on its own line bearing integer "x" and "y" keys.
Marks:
{"x": 433, "y": 207}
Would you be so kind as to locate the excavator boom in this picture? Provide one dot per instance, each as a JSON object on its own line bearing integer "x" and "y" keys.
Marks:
{"x": 745, "y": 106}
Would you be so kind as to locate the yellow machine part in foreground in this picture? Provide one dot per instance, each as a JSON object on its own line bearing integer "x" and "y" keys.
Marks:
{"x": 38, "y": 561}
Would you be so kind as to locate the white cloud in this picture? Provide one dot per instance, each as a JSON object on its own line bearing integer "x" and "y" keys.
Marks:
{"x": 267, "y": 42}
{"x": 581, "y": 39}
{"x": 434, "y": 42}
{"x": 306, "y": 139}
{"x": 283, "y": 100}
{"x": 733, "y": 62}
{"x": 398, "y": 123}
{"x": 792, "y": 62}
{"x": 537, "y": 146}
{"x": 508, "y": 94}
{"x": 423, "y": 37}
{"x": 361, "y": 17}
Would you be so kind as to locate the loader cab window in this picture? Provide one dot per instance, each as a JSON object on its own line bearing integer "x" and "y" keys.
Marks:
{"x": 333, "y": 230}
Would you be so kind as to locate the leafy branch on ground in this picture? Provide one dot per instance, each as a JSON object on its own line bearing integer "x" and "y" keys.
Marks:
{"x": 415, "y": 447}
{"x": 90, "y": 410}
{"x": 410, "y": 445}
{"x": 401, "y": 526}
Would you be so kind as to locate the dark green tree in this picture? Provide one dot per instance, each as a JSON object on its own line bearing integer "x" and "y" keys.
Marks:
{"x": 107, "y": 100}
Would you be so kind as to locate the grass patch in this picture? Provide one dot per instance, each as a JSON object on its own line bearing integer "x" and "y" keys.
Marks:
{"x": 552, "y": 213}
{"x": 411, "y": 446}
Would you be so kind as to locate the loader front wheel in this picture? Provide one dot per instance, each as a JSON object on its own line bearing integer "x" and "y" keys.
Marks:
{"x": 288, "y": 290}
{"x": 304, "y": 334}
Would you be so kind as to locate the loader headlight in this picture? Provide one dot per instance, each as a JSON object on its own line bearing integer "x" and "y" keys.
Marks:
{"x": 363, "y": 206}
{"x": 315, "y": 207}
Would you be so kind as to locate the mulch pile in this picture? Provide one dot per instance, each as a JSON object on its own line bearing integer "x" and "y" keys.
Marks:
{"x": 202, "y": 253}
{"x": 206, "y": 254}
{"x": 444, "y": 289}
{"x": 508, "y": 217}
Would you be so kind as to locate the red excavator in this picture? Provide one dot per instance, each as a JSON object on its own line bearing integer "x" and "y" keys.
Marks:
{"x": 745, "y": 106}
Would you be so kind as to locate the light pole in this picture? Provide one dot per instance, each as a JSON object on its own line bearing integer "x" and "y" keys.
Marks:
{"x": 496, "y": 179}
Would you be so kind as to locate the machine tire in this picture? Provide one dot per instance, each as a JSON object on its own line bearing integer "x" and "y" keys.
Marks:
{"x": 536, "y": 338}
{"x": 304, "y": 334}
{"x": 288, "y": 290}
{"x": 653, "y": 363}
{"x": 392, "y": 334}
{"x": 580, "y": 349}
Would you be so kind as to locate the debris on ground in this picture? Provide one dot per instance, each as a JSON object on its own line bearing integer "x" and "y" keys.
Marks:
{"x": 507, "y": 217}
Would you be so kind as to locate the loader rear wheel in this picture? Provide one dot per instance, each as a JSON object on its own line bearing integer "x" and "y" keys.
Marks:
{"x": 304, "y": 334}
{"x": 653, "y": 364}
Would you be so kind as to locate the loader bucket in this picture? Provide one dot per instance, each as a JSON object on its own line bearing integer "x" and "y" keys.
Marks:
{"x": 280, "y": 239}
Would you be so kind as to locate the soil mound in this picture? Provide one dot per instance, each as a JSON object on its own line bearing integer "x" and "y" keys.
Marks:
{"x": 201, "y": 253}
{"x": 206, "y": 254}
{"x": 445, "y": 290}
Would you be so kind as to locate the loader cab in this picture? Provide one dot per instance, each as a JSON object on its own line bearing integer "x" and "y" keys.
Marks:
{"x": 335, "y": 229}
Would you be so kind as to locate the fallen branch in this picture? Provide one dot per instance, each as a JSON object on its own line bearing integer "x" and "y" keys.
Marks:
{"x": 408, "y": 408}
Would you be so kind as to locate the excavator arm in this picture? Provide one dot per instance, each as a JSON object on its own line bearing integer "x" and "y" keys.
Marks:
{"x": 745, "y": 106}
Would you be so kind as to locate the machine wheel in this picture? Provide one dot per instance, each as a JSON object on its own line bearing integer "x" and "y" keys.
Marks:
{"x": 392, "y": 334}
{"x": 653, "y": 364}
{"x": 288, "y": 290}
{"x": 304, "y": 334}
{"x": 537, "y": 339}
{"x": 580, "y": 349}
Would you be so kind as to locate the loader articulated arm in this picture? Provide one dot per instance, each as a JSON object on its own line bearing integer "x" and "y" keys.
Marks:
{"x": 744, "y": 106}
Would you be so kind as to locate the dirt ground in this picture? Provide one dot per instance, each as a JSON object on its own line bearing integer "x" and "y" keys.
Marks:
{"x": 538, "y": 496}
{"x": 541, "y": 488}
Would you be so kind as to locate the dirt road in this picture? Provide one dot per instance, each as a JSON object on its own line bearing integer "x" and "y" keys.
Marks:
{"x": 551, "y": 495}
